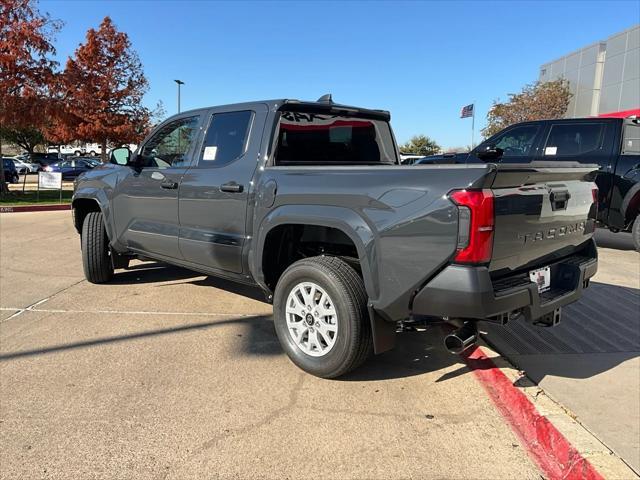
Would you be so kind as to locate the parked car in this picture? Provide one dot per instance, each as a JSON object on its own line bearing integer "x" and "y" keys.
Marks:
{"x": 93, "y": 149}
{"x": 611, "y": 143}
{"x": 42, "y": 159}
{"x": 71, "y": 169}
{"x": 25, "y": 167}
{"x": 307, "y": 201}
{"x": 66, "y": 150}
{"x": 9, "y": 171}
{"x": 409, "y": 159}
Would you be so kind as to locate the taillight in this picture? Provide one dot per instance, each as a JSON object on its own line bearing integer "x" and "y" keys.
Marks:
{"x": 475, "y": 225}
{"x": 594, "y": 194}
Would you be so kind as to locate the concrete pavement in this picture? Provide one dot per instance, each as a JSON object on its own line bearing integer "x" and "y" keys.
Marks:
{"x": 590, "y": 363}
{"x": 164, "y": 373}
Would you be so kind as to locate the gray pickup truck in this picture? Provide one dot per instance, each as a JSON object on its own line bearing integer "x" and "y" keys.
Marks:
{"x": 308, "y": 202}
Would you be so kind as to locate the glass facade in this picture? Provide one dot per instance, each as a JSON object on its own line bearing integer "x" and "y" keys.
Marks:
{"x": 603, "y": 77}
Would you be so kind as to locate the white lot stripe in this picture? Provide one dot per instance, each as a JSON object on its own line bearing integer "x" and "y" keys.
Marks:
{"x": 39, "y": 302}
{"x": 127, "y": 312}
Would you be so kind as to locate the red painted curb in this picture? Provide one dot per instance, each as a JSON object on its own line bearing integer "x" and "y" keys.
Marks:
{"x": 34, "y": 208}
{"x": 553, "y": 453}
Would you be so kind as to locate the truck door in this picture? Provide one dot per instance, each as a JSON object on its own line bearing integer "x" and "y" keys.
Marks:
{"x": 146, "y": 199}
{"x": 215, "y": 191}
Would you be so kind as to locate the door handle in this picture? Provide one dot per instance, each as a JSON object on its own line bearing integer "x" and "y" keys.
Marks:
{"x": 169, "y": 185}
{"x": 231, "y": 187}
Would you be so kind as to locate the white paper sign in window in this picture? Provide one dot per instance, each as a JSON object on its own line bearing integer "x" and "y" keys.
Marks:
{"x": 550, "y": 150}
{"x": 210, "y": 153}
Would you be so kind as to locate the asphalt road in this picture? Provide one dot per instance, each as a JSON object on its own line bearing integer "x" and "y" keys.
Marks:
{"x": 166, "y": 374}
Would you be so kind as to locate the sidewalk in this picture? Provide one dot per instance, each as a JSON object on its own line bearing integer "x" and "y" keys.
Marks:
{"x": 590, "y": 363}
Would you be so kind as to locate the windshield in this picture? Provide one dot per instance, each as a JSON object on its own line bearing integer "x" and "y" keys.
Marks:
{"x": 306, "y": 138}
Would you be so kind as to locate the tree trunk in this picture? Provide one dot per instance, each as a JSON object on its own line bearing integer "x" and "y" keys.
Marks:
{"x": 4, "y": 188}
{"x": 103, "y": 154}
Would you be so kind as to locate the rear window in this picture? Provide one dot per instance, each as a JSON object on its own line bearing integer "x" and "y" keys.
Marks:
{"x": 306, "y": 138}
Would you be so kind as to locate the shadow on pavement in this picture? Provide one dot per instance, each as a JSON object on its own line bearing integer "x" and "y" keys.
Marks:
{"x": 151, "y": 272}
{"x": 596, "y": 334}
{"x": 415, "y": 352}
{"x": 157, "y": 272}
{"x": 617, "y": 241}
{"x": 259, "y": 324}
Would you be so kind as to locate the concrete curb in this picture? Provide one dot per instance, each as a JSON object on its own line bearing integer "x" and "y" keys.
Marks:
{"x": 34, "y": 208}
{"x": 575, "y": 450}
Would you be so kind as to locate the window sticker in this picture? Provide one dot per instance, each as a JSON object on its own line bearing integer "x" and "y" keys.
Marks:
{"x": 210, "y": 153}
{"x": 550, "y": 150}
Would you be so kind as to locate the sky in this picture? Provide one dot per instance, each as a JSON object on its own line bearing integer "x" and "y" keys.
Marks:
{"x": 422, "y": 61}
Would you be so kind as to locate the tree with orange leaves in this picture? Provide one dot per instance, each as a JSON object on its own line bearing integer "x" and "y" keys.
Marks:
{"x": 26, "y": 67}
{"x": 103, "y": 88}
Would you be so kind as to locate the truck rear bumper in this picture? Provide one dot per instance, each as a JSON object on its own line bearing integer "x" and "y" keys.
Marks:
{"x": 469, "y": 292}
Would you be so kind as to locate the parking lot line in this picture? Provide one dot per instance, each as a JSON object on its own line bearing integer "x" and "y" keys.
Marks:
{"x": 122, "y": 312}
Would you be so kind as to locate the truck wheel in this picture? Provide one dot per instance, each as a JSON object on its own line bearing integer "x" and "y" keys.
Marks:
{"x": 77, "y": 153}
{"x": 320, "y": 316}
{"x": 635, "y": 233}
{"x": 96, "y": 260}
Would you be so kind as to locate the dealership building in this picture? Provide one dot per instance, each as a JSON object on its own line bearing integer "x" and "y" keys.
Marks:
{"x": 604, "y": 77}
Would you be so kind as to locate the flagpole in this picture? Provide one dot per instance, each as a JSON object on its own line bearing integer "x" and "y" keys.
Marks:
{"x": 473, "y": 122}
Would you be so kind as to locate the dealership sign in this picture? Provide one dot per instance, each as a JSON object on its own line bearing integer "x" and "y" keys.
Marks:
{"x": 50, "y": 180}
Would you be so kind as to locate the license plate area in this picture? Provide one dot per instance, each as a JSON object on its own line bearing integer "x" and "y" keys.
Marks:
{"x": 542, "y": 278}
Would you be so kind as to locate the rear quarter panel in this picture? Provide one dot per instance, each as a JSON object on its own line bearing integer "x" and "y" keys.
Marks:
{"x": 403, "y": 225}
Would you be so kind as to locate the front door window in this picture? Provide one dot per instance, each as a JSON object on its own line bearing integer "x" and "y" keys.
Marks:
{"x": 170, "y": 146}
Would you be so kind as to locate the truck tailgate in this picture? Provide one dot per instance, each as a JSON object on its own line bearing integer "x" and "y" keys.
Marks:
{"x": 543, "y": 211}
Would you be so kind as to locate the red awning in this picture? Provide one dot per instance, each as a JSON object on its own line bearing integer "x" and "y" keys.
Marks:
{"x": 622, "y": 114}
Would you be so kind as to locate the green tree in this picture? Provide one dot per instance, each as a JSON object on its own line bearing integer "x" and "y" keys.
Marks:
{"x": 536, "y": 101}
{"x": 26, "y": 138}
{"x": 420, "y": 145}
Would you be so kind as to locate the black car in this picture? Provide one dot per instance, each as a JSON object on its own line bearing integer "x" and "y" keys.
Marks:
{"x": 611, "y": 143}
{"x": 71, "y": 169}
{"x": 42, "y": 159}
{"x": 10, "y": 171}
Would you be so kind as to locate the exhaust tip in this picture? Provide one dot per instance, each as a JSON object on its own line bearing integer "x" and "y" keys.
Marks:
{"x": 461, "y": 339}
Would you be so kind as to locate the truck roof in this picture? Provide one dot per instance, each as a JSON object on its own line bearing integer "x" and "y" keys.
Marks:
{"x": 298, "y": 105}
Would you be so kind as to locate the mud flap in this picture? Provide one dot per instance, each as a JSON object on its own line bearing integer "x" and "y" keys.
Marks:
{"x": 383, "y": 331}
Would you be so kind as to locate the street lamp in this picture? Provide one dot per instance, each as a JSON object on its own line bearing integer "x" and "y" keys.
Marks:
{"x": 179, "y": 82}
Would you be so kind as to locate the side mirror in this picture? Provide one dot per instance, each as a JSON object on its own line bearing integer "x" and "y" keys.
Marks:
{"x": 489, "y": 152}
{"x": 120, "y": 156}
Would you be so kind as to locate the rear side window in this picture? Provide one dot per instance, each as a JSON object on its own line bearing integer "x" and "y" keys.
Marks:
{"x": 306, "y": 138}
{"x": 571, "y": 139}
{"x": 631, "y": 144}
{"x": 226, "y": 138}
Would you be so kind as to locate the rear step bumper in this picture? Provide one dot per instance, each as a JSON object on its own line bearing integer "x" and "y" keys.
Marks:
{"x": 469, "y": 292}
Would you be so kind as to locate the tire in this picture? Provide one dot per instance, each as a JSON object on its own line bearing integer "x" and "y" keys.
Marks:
{"x": 635, "y": 233}
{"x": 352, "y": 341}
{"x": 96, "y": 260}
{"x": 92, "y": 153}
{"x": 77, "y": 153}
{"x": 15, "y": 178}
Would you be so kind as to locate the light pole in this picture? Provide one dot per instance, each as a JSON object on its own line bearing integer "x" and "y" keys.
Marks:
{"x": 179, "y": 82}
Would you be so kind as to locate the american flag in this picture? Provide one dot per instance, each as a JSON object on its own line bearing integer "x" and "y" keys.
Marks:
{"x": 467, "y": 111}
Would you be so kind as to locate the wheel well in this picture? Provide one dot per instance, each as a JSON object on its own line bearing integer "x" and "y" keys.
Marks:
{"x": 286, "y": 244}
{"x": 81, "y": 207}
